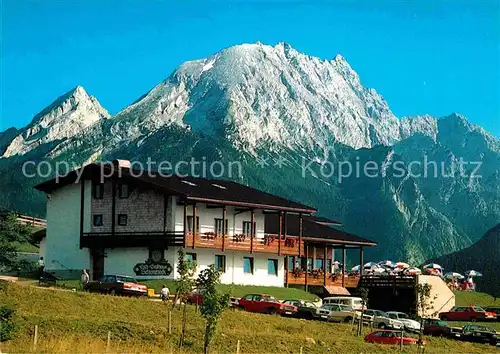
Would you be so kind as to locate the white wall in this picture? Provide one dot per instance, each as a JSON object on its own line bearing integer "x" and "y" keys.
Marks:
{"x": 122, "y": 261}
{"x": 234, "y": 273}
{"x": 208, "y": 216}
{"x": 62, "y": 245}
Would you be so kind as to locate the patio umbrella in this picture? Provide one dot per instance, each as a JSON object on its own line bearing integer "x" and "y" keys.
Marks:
{"x": 370, "y": 265}
{"x": 402, "y": 265}
{"x": 453, "y": 275}
{"x": 356, "y": 269}
{"x": 414, "y": 271}
{"x": 379, "y": 270}
{"x": 473, "y": 273}
{"x": 432, "y": 266}
{"x": 398, "y": 270}
{"x": 387, "y": 263}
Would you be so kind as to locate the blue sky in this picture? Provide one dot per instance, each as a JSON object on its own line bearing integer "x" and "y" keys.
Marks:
{"x": 433, "y": 57}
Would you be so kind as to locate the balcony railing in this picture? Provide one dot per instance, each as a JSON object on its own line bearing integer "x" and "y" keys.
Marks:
{"x": 317, "y": 277}
{"x": 132, "y": 239}
{"x": 243, "y": 242}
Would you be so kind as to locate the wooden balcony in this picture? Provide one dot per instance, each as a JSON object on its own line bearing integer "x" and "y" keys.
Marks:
{"x": 317, "y": 277}
{"x": 268, "y": 244}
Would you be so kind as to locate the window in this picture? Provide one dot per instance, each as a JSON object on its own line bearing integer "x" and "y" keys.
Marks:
{"x": 190, "y": 224}
{"x": 247, "y": 227}
{"x": 98, "y": 220}
{"x": 98, "y": 191}
{"x": 123, "y": 191}
{"x": 218, "y": 226}
{"x": 309, "y": 263}
{"x": 319, "y": 263}
{"x": 248, "y": 265}
{"x": 220, "y": 263}
{"x": 191, "y": 257}
{"x": 272, "y": 266}
{"x": 122, "y": 219}
{"x": 248, "y": 297}
{"x": 291, "y": 263}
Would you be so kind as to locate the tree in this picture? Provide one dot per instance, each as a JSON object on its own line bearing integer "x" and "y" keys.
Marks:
{"x": 214, "y": 302}
{"x": 185, "y": 284}
{"x": 424, "y": 304}
{"x": 363, "y": 292}
{"x": 11, "y": 231}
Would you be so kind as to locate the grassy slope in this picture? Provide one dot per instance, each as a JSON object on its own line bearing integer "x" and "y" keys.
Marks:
{"x": 73, "y": 321}
{"x": 234, "y": 290}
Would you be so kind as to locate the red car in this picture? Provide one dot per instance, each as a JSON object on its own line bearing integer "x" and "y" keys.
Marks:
{"x": 468, "y": 313}
{"x": 196, "y": 297}
{"x": 389, "y": 337}
{"x": 265, "y": 304}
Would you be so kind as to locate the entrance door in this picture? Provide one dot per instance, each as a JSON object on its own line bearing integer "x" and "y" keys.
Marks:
{"x": 97, "y": 264}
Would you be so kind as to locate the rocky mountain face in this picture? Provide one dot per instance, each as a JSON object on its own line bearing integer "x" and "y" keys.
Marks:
{"x": 65, "y": 117}
{"x": 287, "y": 118}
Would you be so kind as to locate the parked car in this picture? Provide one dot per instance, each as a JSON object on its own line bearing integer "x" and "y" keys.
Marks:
{"x": 479, "y": 334}
{"x": 264, "y": 303}
{"x": 495, "y": 310}
{"x": 468, "y": 313}
{"x": 305, "y": 309}
{"x": 338, "y": 313}
{"x": 409, "y": 324}
{"x": 356, "y": 303}
{"x": 382, "y": 320}
{"x": 196, "y": 297}
{"x": 439, "y": 328}
{"x": 117, "y": 285}
{"x": 390, "y": 337}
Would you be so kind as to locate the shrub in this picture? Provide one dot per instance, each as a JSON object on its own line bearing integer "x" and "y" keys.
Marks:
{"x": 7, "y": 325}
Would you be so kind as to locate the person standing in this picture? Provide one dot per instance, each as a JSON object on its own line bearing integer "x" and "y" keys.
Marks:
{"x": 85, "y": 278}
{"x": 165, "y": 293}
{"x": 41, "y": 267}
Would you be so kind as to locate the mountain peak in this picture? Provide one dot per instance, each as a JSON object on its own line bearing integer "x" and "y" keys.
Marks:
{"x": 67, "y": 115}
{"x": 259, "y": 94}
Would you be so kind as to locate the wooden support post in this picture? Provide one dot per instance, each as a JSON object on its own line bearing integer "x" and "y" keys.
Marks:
{"x": 300, "y": 234}
{"x": 343, "y": 265}
{"x": 361, "y": 262}
{"x": 170, "y": 319}
{"x": 224, "y": 225}
{"x": 252, "y": 229}
{"x": 185, "y": 222}
{"x": 195, "y": 225}
{"x": 238, "y": 347}
{"x": 324, "y": 265}
{"x": 108, "y": 343}
{"x": 284, "y": 229}
{"x": 280, "y": 232}
{"x": 306, "y": 246}
{"x": 35, "y": 338}
{"x": 286, "y": 271}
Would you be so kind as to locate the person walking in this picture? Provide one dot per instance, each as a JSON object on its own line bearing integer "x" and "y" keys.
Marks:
{"x": 85, "y": 278}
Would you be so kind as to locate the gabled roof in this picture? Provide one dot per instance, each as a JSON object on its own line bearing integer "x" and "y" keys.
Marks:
{"x": 190, "y": 188}
{"x": 313, "y": 230}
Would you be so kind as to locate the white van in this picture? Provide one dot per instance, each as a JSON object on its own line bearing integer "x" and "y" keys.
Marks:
{"x": 356, "y": 303}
